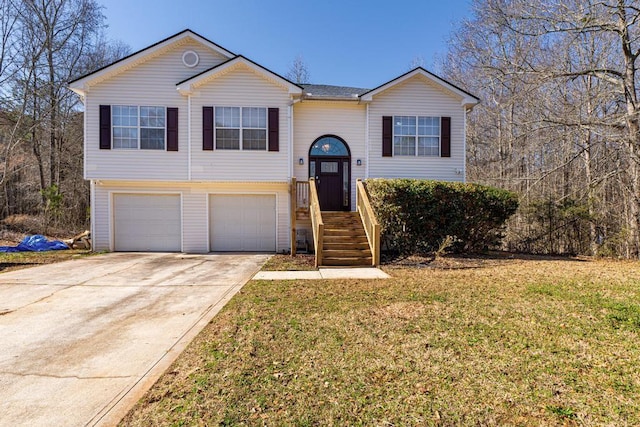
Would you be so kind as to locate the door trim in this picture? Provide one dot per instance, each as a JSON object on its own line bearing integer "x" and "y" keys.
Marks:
{"x": 340, "y": 158}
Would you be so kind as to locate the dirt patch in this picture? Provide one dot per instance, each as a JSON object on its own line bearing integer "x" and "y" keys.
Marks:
{"x": 288, "y": 263}
{"x": 462, "y": 261}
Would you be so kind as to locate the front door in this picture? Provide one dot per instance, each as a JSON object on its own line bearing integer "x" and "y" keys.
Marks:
{"x": 329, "y": 182}
{"x": 329, "y": 164}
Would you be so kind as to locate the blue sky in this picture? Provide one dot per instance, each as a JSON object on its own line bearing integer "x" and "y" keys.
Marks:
{"x": 343, "y": 42}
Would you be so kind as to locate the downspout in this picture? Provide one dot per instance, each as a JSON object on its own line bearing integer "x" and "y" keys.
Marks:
{"x": 366, "y": 145}
{"x": 291, "y": 142}
{"x": 92, "y": 212}
{"x": 189, "y": 137}
{"x": 464, "y": 145}
{"x": 83, "y": 99}
{"x": 290, "y": 137}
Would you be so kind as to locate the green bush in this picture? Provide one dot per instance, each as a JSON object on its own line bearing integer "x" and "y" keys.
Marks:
{"x": 416, "y": 216}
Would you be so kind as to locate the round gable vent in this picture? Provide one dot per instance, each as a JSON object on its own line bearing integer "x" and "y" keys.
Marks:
{"x": 190, "y": 58}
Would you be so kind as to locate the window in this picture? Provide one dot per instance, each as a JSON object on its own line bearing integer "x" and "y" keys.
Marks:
{"x": 138, "y": 127}
{"x": 152, "y": 128}
{"x": 125, "y": 126}
{"x": 227, "y": 122}
{"x": 239, "y": 128}
{"x": 416, "y": 136}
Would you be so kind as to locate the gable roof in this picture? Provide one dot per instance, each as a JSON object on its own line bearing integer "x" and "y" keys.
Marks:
{"x": 78, "y": 84}
{"x": 187, "y": 85}
{"x": 468, "y": 100}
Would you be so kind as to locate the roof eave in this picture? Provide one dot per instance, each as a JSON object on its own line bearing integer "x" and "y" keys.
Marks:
{"x": 469, "y": 102}
{"x": 306, "y": 97}
{"x": 368, "y": 96}
{"x": 187, "y": 86}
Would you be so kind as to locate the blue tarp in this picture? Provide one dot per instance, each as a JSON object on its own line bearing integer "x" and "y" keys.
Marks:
{"x": 35, "y": 243}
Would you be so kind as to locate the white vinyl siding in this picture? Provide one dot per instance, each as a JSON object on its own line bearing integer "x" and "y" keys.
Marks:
{"x": 240, "y": 87}
{"x": 147, "y": 222}
{"x": 417, "y": 97}
{"x": 313, "y": 119}
{"x": 150, "y": 83}
{"x": 194, "y": 210}
{"x": 242, "y": 222}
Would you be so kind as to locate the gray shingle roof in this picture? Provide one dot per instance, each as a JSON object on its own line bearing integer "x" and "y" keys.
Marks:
{"x": 328, "y": 91}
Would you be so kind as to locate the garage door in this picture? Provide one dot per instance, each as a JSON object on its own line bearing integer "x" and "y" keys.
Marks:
{"x": 242, "y": 222}
{"x": 147, "y": 222}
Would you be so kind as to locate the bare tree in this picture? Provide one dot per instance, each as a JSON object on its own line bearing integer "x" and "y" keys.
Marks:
{"x": 559, "y": 118}
{"x": 45, "y": 44}
{"x": 417, "y": 61}
{"x": 298, "y": 71}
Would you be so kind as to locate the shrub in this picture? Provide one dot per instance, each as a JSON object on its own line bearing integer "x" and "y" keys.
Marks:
{"x": 416, "y": 216}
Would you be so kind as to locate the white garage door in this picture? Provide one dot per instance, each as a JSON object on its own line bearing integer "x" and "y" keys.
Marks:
{"x": 147, "y": 222}
{"x": 242, "y": 222}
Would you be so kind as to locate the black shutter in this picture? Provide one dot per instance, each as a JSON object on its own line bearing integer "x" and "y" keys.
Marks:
{"x": 387, "y": 136}
{"x": 207, "y": 128}
{"x": 445, "y": 137}
{"x": 274, "y": 129}
{"x": 172, "y": 129}
{"x": 105, "y": 127}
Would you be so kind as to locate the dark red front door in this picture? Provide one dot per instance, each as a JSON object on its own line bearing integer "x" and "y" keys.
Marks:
{"x": 332, "y": 182}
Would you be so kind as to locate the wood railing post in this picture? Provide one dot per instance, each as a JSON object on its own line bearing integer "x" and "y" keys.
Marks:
{"x": 320, "y": 243}
{"x": 293, "y": 205}
{"x": 316, "y": 221}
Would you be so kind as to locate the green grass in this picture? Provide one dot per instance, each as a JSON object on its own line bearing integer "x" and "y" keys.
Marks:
{"x": 18, "y": 260}
{"x": 513, "y": 343}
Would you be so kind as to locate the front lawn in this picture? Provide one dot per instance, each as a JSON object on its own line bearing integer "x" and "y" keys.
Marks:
{"x": 509, "y": 342}
{"x": 18, "y": 260}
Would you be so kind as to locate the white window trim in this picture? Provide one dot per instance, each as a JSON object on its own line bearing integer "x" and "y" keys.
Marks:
{"x": 240, "y": 129}
{"x": 416, "y": 137}
{"x": 138, "y": 127}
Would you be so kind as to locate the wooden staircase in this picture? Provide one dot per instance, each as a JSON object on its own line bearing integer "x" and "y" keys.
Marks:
{"x": 345, "y": 241}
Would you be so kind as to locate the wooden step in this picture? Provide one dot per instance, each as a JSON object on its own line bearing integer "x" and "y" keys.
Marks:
{"x": 346, "y": 261}
{"x": 345, "y": 239}
{"x": 346, "y": 253}
{"x": 349, "y": 245}
{"x": 343, "y": 230}
{"x": 344, "y": 223}
{"x": 340, "y": 213}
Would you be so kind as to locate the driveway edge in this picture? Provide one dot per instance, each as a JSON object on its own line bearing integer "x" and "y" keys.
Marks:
{"x": 118, "y": 408}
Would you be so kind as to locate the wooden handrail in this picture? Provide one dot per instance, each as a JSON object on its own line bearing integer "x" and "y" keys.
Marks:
{"x": 371, "y": 225}
{"x": 316, "y": 221}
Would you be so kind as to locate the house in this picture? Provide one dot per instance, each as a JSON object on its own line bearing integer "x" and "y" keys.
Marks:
{"x": 192, "y": 148}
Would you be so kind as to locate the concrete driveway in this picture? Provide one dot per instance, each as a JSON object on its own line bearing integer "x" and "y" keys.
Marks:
{"x": 82, "y": 340}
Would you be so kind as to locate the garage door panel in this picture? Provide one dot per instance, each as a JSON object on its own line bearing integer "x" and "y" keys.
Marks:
{"x": 242, "y": 222}
{"x": 147, "y": 222}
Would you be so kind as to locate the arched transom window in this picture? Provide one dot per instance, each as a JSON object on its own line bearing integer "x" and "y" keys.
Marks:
{"x": 328, "y": 146}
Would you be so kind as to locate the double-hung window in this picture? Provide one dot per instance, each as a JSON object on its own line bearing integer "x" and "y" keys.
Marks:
{"x": 241, "y": 128}
{"x": 416, "y": 136}
{"x": 138, "y": 127}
